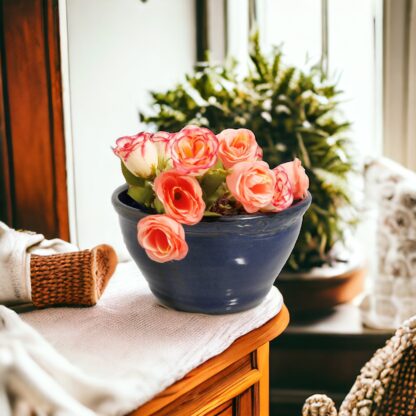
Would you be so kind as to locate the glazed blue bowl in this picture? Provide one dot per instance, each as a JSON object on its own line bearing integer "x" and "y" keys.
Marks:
{"x": 232, "y": 261}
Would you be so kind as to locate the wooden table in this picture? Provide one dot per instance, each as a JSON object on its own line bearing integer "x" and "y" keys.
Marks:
{"x": 233, "y": 383}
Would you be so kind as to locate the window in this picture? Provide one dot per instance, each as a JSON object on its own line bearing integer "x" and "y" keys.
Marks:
{"x": 134, "y": 51}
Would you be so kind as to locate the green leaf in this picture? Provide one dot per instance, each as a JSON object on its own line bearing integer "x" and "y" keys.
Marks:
{"x": 141, "y": 194}
{"x": 158, "y": 206}
{"x": 303, "y": 151}
{"x": 130, "y": 178}
{"x": 211, "y": 181}
{"x": 211, "y": 214}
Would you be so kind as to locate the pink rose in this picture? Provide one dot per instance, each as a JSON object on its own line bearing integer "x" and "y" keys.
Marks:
{"x": 162, "y": 238}
{"x": 138, "y": 153}
{"x": 194, "y": 150}
{"x": 283, "y": 195}
{"x": 252, "y": 184}
{"x": 238, "y": 145}
{"x": 162, "y": 140}
{"x": 181, "y": 196}
{"x": 297, "y": 178}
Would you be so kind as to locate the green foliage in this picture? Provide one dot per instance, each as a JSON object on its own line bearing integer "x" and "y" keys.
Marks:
{"x": 212, "y": 184}
{"x": 293, "y": 113}
{"x": 140, "y": 190}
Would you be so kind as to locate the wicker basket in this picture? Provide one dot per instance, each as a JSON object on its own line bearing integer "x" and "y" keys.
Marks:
{"x": 386, "y": 385}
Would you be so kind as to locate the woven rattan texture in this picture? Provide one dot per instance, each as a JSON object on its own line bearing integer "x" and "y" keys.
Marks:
{"x": 400, "y": 395}
{"x": 63, "y": 279}
{"x": 386, "y": 385}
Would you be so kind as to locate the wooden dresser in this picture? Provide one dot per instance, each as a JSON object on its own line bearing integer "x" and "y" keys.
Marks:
{"x": 234, "y": 383}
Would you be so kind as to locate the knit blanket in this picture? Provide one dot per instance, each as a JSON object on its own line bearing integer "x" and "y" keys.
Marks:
{"x": 15, "y": 250}
{"x": 392, "y": 298}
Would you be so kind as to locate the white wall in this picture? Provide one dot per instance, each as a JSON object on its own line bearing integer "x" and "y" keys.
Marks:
{"x": 117, "y": 50}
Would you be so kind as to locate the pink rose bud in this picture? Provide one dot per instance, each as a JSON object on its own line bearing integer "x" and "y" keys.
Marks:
{"x": 297, "y": 178}
{"x": 252, "y": 184}
{"x": 138, "y": 153}
{"x": 162, "y": 238}
{"x": 162, "y": 140}
{"x": 181, "y": 196}
{"x": 283, "y": 195}
{"x": 194, "y": 150}
{"x": 238, "y": 145}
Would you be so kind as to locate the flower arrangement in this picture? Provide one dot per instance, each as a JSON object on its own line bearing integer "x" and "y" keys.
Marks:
{"x": 294, "y": 113}
{"x": 182, "y": 177}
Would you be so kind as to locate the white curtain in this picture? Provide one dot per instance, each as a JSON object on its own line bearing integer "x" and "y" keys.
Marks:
{"x": 411, "y": 98}
{"x": 400, "y": 81}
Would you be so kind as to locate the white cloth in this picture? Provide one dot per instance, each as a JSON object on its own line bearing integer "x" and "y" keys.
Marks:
{"x": 15, "y": 250}
{"x": 130, "y": 347}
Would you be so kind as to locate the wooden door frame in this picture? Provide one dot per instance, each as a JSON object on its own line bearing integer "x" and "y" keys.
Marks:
{"x": 33, "y": 185}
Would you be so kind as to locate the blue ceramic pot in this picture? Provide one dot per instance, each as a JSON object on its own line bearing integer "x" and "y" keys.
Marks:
{"x": 232, "y": 260}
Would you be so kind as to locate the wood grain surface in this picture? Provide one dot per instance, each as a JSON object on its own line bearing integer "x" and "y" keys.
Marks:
{"x": 33, "y": 184}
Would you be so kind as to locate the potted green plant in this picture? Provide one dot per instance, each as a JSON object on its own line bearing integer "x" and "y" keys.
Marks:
{"x": 295, "y": 113}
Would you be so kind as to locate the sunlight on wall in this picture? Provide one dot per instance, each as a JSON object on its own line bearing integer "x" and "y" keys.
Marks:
{"x": 117, "y": 52}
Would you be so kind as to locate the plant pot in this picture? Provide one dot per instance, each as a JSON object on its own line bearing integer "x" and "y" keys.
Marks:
{"x": 321, "y": 289}
{"x": 232, "y": 260}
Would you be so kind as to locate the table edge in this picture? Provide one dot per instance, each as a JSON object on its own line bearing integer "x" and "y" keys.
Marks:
{"x": 238, "y": 349}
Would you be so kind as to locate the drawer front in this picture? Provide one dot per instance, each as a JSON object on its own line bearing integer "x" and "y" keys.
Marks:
{"x": 247, "y": 403}
{"x": 242, "y": 405}
{"x": 226, "y": 412}
{"x": 223, "y": 394}
{"x": 240, "y": 388}
{"x": 225, "y": 409}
